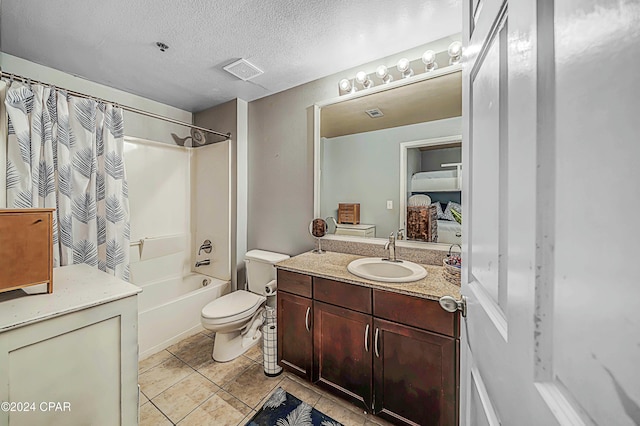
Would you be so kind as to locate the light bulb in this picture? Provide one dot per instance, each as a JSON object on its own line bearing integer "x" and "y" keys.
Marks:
{"x": 455, "y": 52}
{"x": 363, "y": 78}
{"x": 383, "y": 73}
{"x": 429, "y": 59}
{"x": 404, "y": 66}
{"x": 345, "y": 85}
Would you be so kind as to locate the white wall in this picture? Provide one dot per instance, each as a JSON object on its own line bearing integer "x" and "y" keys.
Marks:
{"x": 211, "y": 207}
{"x": 365, "y": 168}
{"x": 159, "y": 179}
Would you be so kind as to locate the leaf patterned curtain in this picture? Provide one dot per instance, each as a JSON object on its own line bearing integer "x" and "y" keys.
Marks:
{"x": 66, "y": 153}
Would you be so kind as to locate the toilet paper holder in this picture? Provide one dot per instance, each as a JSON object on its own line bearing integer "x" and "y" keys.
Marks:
{"x": 270, "y": 288}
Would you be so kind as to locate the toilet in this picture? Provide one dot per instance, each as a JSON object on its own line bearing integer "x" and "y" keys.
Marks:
{"x": 236, "y": 317}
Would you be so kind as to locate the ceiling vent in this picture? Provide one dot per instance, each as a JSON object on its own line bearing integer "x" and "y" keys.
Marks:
{"x": 374, "y": 113}
{"x": 243, "y": 69}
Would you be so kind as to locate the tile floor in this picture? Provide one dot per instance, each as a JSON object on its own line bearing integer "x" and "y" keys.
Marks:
{"x": 182, "y": 385}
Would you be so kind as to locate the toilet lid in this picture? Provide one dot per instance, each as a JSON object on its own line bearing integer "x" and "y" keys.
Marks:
{"x": 232, "y": 304}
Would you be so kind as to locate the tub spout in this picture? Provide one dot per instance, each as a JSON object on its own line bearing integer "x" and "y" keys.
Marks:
{"x": 203, "y": 262}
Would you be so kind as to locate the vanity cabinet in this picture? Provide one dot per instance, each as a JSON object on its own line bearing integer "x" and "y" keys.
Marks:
{"x": 392, "y": 354}
{"x": 295, "y": 319}
{"x": 413, "y": 369}
{"x": 342, "y": 359}
{"x": 416, "y": 358}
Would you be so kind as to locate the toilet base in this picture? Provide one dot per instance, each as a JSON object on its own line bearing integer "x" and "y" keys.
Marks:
{"x": 228, "y": 346}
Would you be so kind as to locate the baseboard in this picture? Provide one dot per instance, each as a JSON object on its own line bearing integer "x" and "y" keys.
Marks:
{"x": 175, "y": 339}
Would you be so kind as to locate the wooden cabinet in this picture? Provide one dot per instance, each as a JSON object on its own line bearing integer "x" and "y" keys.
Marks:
{"x": 342, "y": 352}
{"x": 414, "y": 375}
{"x": 26, "y": 248}
{"x": 295, "y": 319}
{"x": 349, "y": 213}
{"x": 416, "y": 357}
{"x": 392, "y": 354}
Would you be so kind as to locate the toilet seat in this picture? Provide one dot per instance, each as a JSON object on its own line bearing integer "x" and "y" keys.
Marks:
{"x": 231, "y": 307}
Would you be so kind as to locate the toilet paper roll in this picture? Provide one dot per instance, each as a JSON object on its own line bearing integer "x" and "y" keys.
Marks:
{"x": 270, "y": 288}
{"x": 270, "y": 350}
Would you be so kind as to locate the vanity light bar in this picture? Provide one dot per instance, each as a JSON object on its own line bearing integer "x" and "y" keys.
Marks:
{"x": 364, "y": 80}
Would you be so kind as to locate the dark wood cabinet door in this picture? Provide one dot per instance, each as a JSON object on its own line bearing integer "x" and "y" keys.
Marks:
{"x": 414, "y": 375}
{"x": 295, "y": 339}
{"x": 343, "y": 354}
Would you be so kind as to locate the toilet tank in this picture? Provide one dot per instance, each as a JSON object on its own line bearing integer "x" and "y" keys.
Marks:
{"x": 260, "y": 268}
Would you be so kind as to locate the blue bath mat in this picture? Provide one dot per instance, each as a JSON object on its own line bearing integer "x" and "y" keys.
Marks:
{"x": 282, "y": 408}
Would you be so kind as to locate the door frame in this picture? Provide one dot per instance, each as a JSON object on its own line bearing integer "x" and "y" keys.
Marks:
{"x": 404, "y": 146}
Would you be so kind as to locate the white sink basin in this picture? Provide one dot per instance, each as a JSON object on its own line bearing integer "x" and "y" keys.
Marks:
{"x": 376, "y": 269}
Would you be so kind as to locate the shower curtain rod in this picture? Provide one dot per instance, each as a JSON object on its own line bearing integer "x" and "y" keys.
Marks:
{"x": 11, "y": 76}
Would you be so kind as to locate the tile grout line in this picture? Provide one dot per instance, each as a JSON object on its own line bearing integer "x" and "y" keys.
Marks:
{"x": 198, "y": 406}
{"x": 228, "y": 381}
{"x": 161, "y": 412}
{"x": 155, "y": 365}
{"x": 227, "y": 384}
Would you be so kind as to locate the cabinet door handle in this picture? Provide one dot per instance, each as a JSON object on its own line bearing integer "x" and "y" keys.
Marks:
{"x": 306, "y": 319}
{"x": 375, "y": 346}
{"x": 366, "y": 338}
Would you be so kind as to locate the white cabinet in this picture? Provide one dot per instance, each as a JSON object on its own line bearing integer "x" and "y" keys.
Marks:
{"x": 361, "y": 230}
{"x": 71, "y": 357}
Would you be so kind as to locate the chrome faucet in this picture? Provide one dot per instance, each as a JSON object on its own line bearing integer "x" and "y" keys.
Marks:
{"x": 204, "y": 262}
{"x": 391, "y": 246}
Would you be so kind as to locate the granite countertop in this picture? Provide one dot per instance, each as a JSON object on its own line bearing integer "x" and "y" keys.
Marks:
{"x": 333, "y": 265}
{"x": 75, "y": 287}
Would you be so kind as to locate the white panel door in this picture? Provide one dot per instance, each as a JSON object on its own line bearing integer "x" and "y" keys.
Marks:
{"x": 552, "y": 117}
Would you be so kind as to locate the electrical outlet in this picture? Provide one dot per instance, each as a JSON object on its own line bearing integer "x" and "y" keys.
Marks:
{"x": 389, "y": 204}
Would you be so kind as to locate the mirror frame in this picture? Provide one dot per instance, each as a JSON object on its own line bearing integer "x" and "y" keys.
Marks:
{"x": 317, "y": 140}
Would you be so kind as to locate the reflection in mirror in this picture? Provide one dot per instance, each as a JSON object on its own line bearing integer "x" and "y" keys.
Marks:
{"x": 359, "y": 160}
{"x": 432, "y": 170}
{"x": 332, "y": 225}
{"x": 318, "y": 229}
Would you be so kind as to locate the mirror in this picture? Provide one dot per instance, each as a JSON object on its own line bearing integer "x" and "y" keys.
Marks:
{"x": 410, "y": 148}
{"x": 318, "y": 229}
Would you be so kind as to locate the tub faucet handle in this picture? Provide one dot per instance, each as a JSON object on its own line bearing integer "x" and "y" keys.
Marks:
{"x": 206, "y": 246}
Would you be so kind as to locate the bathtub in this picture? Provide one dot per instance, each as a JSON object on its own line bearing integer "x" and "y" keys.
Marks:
{"x": 169, "y": 309}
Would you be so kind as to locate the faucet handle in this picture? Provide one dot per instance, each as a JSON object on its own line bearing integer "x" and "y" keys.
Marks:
{"x": 206, "y": 246}
{"x": 400, "y": 234}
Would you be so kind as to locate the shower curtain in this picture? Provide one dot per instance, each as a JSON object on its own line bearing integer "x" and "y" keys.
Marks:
{"x": 66, "y": 152}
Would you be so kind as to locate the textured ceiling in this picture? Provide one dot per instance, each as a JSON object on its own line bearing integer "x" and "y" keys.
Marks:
{"x": 113, "y": 42}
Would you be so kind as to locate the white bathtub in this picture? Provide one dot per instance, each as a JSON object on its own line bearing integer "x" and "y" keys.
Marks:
{"x": 169, "y": 310}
